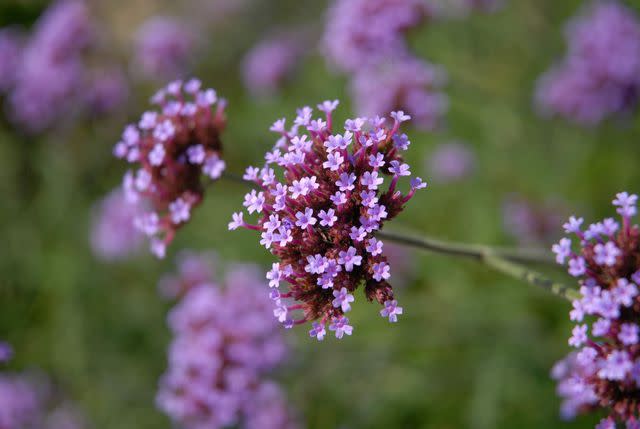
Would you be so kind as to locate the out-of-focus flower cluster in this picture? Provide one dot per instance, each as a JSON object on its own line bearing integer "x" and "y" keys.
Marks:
{"x": 600, "y": 76}
{"x": 28, "y": 401}
{"x": 319, "y": 215}
{"x": 450, "y": 162}
{"x": 366, "y": 39}
{"x": 408, "y": 83}
{"x": 19, "y": 402}
{"x": 529, "y": 222}
{"x": 45, "y": 76}
{"x": 172, "y": 148}
{"x": 605, "y": 371}
{"x": 164, "y": 48}
{"x": 225, "y": 343}
{"x": 113, "y": 233}
{"x": 270, "y": 63}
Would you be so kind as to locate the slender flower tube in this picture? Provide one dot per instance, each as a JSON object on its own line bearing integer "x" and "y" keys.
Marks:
{"x": 604, "y": 372}
{"x": 319, "y": 213}
{"x": 172, "y": 149}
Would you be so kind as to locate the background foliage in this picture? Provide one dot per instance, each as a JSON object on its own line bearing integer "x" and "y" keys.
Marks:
{"x": 474, "y": 349}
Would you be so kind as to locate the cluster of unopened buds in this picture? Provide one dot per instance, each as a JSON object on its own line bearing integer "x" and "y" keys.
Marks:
{"x": 605, "y": 370}
{"x": 319, "y": 216}
{"x": 172, "y": 149}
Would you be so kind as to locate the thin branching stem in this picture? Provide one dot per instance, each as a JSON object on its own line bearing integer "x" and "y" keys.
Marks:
{"x": 507, "y": 261}
{"x": 473, "y": 251}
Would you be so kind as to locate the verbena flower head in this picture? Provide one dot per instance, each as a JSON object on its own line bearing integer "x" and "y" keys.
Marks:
{"x": 225, "y": 342}
{"x": 601, "y": 75}
{"x": 270, "y": 63}
{"x": 451, "y": 162}
{"x": 409, "y": 84}
{"x": 164, "y": 47}
{"x": 173, "y": 149}
{"x": 605, "y": 257}
{"x": 361, "y": 33}
{"x": 320, "y": 198}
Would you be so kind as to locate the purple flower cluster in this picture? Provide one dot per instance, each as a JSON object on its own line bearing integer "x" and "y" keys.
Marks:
{"x": 605, "y": 371}
{"x": 406, "y": 83}
{"x": 193, "y": 269}
{"x": 361, "y": 33}
{"x": 20, "y": 405}
{"x": 269, "y": 64}
{"x": 107, "y": 90}
{"x": 45, "y": 76}
{"x": 172, "y": 148}
{"x": 6, "y": 352}
{"x": 529, "y": 222}
{"x": 10, "y": 45}
{"x": 113, "y": 233}
{"x": 366, "y": 39}
{"x": 319, "y": 218}
{"x": 450, "y": 162}
{"x": 225, "y": 343}
{"x": 601, "y": 75}
{"x": 164, "y": 48}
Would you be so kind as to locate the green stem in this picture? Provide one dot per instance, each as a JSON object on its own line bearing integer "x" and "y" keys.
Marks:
{"x": 500, "y": 259}
{"x": 237, "y": 178}
{"x": 529, "y": 276}
{"x": 473, "y": 251}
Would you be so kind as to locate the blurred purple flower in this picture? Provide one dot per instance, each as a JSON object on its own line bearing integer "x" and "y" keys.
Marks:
{"x": 113, "y": 233}
{"x": 20, "y": 405}
{"x": 361, "y": 33}
{"x": 269, "y": 63}
{"x": 601, "y": 75}
{"x": 269, "y": 409}
{"x": 450, "y": 162}
{"x": 226, "y": 341}
{"x": 107, "y": 90}
{"x": 164, "y": 48}
{"x": 408, "y": 84}
{"x": 194, "y": 269}
{"x": 10, "y": 47}
{"x": 6, "y": 352}
{"x": 49, "y": 77}
{"x": 532, "y": 223}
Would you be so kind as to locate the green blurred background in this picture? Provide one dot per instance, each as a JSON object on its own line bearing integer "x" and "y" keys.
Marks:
{"x": 474, "y": 348}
